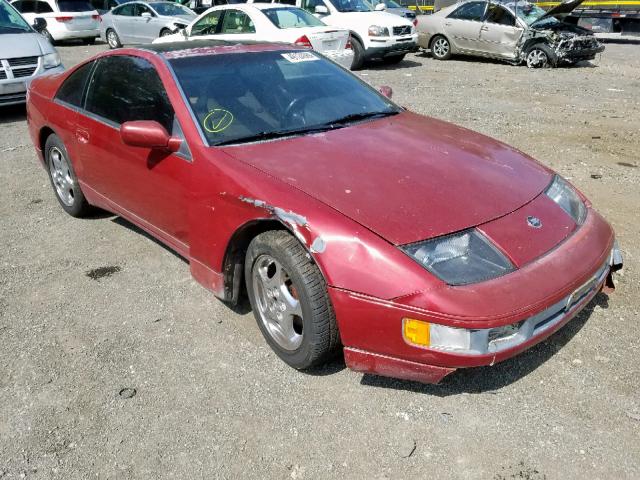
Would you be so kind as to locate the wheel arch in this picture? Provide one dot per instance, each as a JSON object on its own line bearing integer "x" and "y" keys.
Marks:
{"x": 43, "y": 135}
{"x": 433, "y": 37}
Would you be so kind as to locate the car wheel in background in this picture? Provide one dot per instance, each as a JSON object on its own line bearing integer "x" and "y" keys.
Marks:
{"x": 539, "y": 56}
{"x": 358, "y": 54}
{"x": 113, "y": 39}
{"x": 63, "y": 178}
{"x": 290, "y": 300}
{"x": 165, "y": 32}
{"x": 440, "y": 48}
{"x": 393, "y": 60}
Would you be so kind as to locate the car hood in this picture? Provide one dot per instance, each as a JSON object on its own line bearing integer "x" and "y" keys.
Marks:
{"x": 405, "y": 177}
{"x": 560, "y": 11}
{"x": 382, "y": 19}
{"x": 17, "y": 45}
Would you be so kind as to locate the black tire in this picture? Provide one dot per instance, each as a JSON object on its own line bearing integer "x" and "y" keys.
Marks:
{"x": 440, "y": 48}
{"x": 540, "y": 55}
{"x": 113, "y": 40}
{"x": 393, "y": 60}
{"x": 89, "y": 41}
{"x": 317, "y": 326}
{"x": 358, "y": 54}
{"x": 165, "y": 31}
{"x": 78, "y": 206}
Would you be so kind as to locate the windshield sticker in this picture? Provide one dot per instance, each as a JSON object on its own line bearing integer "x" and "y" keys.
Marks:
{"x": 217, "y": 120}
{"x": 297, "y": 57}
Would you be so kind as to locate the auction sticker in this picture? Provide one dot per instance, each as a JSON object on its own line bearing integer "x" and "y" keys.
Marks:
{"x": 297, "y": 57}
{"x": 218, "y": 120}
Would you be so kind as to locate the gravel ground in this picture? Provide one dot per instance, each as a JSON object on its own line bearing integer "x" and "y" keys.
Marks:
{"x": 91, "y": 309}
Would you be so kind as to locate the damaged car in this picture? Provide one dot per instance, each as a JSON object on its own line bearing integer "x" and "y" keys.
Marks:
{"x": 411, "y": 245}
{"x": 518, "y": 32}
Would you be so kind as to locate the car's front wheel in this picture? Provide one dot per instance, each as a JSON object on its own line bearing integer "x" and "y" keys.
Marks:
{"x": 113, "y": 39}
{"x": 441, "y": 48}
{"x": 289, "y": 298}
{"x": 63, "y": 178}
{"x": 539, "y": 56}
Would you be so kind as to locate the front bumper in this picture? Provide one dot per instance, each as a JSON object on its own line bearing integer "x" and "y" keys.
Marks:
{"x": 13, "y": 91}
{"x": 541, "y": 297}
{"x": 380, "y": 48}
{"x": 575, "y": 55}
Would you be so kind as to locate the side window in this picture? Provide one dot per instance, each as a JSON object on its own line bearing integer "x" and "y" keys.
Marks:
{"x": 207, "y": 25}
{"x": 235, "y": 21}
{"x": 125, "y": 88}
{"x": 72, "y": 89}
{"x": 26, "y": 6}
{"x": 470, "y": 11}
{"x": 140, "y": 9}
{"x": 18, "y": 5}
{"x": 43, "y": 7}
{"x": 126, "y": 10}
{"x": 310, "y": 5}
{"x": 497, "y": 14}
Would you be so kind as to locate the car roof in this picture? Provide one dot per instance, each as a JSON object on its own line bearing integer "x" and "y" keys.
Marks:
{"x": 267, "y": 6}
{"x": 213, "y": 47}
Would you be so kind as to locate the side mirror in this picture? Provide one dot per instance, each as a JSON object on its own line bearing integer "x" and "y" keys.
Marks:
{"x": 145, "y": 15}
{"x": 148, "y": 134}
{"x": 321, "y": 10}
{"x": 386, "y": 91}
{"x": 39, "y": 24}
{"x": 380, "y": 7}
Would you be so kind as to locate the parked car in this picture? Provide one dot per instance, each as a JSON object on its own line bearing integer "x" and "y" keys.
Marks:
{"x": 269, "y": 22}
{"x": 103, "y": 6}
{"x": 516, "y": 32}
{"x": 375, "y": 35}
{"x": 24, "y": 55}
{"x": 143, "y": 22}
{"x": 391, "y": 6}
{"x": 419, "y": 246}
{"x": 66, "y": 19}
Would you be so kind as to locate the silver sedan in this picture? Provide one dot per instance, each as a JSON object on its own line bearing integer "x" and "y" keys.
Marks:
{"x": 143, "y": 22}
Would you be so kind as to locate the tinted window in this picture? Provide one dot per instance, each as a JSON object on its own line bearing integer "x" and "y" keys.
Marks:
{"x": 208, "y": 24}
{"x": 74, "y": 6}
{"x": 470, "y": 11}
{"x": 125, "y": 88}
{"x": 126, "y": 10}
{"x": 43, "y": 7}
{"x": 310, "y": 5}
{"x": 235, "y": 21}
{"x": 291, "y": 18}
{"x": 11, "y": 21}
{"x": 72, "y": 89}
{"x": 232, "y": 98}
{"x": 26, "y": 6}
{"x": 497, "y": 14}
{"x": 170, "y": 9}
{"x": 140, "y": 9}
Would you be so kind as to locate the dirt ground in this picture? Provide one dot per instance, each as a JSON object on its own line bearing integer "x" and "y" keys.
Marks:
{"x": 91, "y": 309}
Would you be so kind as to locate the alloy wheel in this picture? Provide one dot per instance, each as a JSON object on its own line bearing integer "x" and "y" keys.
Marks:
{"x": 440, "y": 47}
{"x": 537, "y": 59}
{"x": 62, "y": 177}
{"x": 112, "y": 39}
{"x": 279, "y": 308}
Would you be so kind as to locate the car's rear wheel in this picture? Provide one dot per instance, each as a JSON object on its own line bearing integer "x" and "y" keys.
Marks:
{"x": 441, "y": 48}
{"x": 165, "y": 32}
{"x": 539, "y": 56}
{"x": 358, "y": 54}
{"x": 113, "y": 39}
{"x": 290, "y": 300}
{"x": 63, "y": 178}
{"x": 393, "y": 60}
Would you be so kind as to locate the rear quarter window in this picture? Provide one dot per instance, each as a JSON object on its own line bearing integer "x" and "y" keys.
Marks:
{"x": 72, "y": 89}
{"x": 74, "y": 6}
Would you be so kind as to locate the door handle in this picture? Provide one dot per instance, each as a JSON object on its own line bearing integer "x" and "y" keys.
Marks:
{"x": 484, "y": 29}
{"x": 82, "y": 136}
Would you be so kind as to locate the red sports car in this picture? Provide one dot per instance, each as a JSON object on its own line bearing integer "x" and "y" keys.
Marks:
{"x": 418, "y": 246}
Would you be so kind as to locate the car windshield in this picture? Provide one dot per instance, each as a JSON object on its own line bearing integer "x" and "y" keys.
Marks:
{"x": 74, "y": 6}
{"x": 291, "y": 18}
{"x": 245, "y": 97}
{"x": 11, "y": 21}
{"x": 171, "y": 9}
{"x": 352, "y": 5}
{"x": 527, "y": 12}
{"x": 388, "y": 3}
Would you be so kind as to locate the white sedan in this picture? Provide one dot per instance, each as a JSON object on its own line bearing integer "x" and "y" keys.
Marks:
{"x": 271, "y": 22}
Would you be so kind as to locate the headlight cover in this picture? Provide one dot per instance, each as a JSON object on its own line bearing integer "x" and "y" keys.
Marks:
{"x": 51, "y": 60}
{"x": 567, "y": 198}
{"x": 377, "y": 31}
{"x": 461, "y": 258}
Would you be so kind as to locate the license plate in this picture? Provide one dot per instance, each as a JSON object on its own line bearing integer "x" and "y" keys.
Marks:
{"x": 17, "y": 87}
{"x": 330, "y": 45}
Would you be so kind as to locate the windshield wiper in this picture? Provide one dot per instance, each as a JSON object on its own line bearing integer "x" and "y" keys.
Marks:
{"x": 353, "y": 117}
{"x": 257, "y": 137}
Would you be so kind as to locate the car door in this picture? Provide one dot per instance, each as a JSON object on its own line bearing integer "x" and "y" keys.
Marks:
{"x": 462, "y": 26}
{"x": 500, "y": 33}
{"x": 122, "y": 18}
{"x": 147, "y": 24}
{"x": 149, "y": 186}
